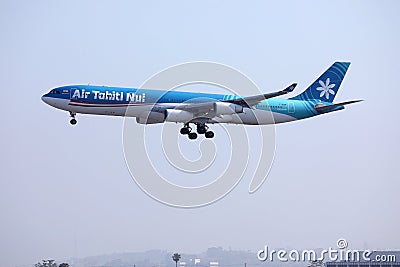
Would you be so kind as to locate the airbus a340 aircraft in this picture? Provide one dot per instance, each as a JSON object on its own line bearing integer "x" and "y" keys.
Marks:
{"x": 200, "y": 109}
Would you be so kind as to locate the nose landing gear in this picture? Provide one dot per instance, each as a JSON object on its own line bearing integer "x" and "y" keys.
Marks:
{"x": 73, "y": 121}
{"x": 201, "y": 128}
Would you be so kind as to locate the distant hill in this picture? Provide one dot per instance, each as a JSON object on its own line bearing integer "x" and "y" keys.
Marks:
{"x": 162, "y": 258}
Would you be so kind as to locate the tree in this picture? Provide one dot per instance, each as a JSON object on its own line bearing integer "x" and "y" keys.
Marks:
{"x": 176, "y": 257}
{"x": 46, "y": 263}
{"x": 50, "y": 263}
{"x": 316, "y": 263}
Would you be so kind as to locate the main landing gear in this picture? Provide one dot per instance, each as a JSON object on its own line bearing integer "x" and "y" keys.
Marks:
{"x": 201, "y": 129}
{"x": 73, "y": 121}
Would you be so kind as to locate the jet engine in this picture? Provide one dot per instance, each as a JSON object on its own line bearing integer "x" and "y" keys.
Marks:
{"x": 151, "y": 117}
{"x": 177, "y": 115}
{"x": 222, "y": 108}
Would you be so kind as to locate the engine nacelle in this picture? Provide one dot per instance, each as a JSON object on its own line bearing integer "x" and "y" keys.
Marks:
{"x": 176, "y": 115}
{"x": 222, "y": 108}
{"x": 151, "y": 117}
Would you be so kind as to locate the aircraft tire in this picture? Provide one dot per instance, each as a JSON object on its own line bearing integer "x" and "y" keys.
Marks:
{"x": 209, "y": 134}
{"x": 192, "y": 136}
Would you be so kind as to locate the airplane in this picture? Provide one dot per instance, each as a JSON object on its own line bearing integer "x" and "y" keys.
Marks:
{"x": 200, "y": 109}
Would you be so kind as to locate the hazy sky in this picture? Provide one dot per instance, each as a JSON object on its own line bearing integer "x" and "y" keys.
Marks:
{"x": 66, "y": 192}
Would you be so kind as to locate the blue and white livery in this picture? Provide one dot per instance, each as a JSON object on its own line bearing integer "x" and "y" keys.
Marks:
{"x": 200, "y": 109}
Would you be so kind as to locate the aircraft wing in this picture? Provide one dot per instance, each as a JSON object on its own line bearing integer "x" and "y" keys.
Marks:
{"x": 250, "y": 101}
{"x": 241, "y": 102}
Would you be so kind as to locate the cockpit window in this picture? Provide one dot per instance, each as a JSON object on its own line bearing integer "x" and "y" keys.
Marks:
{"x": 55, "y": 91}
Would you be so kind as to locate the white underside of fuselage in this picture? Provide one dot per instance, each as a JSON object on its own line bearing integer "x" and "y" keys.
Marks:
{"x": 249, "y": 116}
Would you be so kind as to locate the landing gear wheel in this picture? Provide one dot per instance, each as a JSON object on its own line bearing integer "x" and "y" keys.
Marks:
{"x": 201, "y": 129}
{"x": 209, "y": 134}
{"x": 73, "y": 120}
{"x": 192, "y": 136}
{"x": 185, "y": 130}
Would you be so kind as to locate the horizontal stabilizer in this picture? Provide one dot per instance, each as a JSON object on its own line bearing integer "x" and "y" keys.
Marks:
{"x": 324, "y": 108}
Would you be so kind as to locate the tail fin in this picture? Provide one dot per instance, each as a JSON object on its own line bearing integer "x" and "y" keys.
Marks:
{"x": 326, "y": 86}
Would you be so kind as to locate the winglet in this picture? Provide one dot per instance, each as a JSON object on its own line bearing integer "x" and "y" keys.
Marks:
{"x": 290, "y": 88}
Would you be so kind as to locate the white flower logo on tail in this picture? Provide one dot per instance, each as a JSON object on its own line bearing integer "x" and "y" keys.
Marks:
{"x": 326, "y": 88}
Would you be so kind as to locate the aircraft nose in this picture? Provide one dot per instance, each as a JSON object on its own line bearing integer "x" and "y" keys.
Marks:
{"x": 45, "y": 99}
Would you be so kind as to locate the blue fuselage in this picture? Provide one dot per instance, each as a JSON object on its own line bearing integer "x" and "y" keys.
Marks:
{"x": 117, "y": 101}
